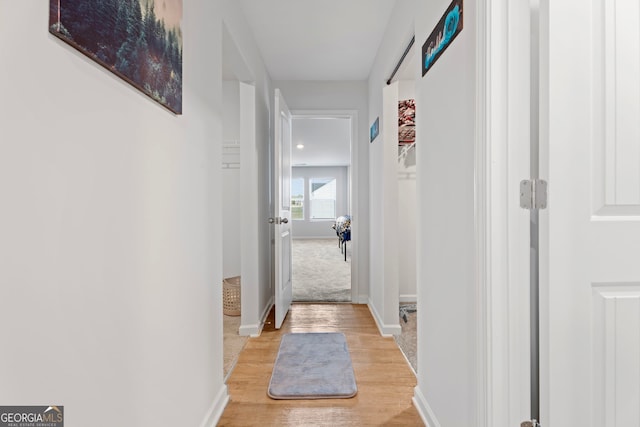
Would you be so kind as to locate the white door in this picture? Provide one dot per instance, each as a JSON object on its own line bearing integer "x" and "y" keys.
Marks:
{"x": 590, "y": 233}
{"x": 282, "y": 208}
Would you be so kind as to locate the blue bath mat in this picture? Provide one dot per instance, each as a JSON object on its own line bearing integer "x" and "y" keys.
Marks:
{"x": 313, "y": 366}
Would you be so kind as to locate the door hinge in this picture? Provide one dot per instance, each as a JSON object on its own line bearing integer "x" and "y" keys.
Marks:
{"x": 530, "y": 423}
{"x": 533, "y": 194}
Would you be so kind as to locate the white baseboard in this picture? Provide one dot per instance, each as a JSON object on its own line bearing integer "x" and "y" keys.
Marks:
{"x": 385, "y": 330}
{"x": 335, "y": 237}
{"x": 362, "y": 299}
{"x": 249, "y": 330}
{"x": 423, "y": 408}
{"x": 255, "y": 330}
{"x": 408, "y": 298}
{"x": 217, "y": 408}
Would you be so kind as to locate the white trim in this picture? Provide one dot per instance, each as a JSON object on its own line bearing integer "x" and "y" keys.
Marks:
{"x": 357, "y": 256}
{"x": 256, "y": 329}
{"x": 249, "y": 210}
{"x": 315, "y": 238}
{"x": 385, "y": 330}
{"x": 249, "y": 330}
{"x": 544, "y": 230}
{"x": 481, "y": 223}
{"x": 217, "y": 408}
{"x": 502, "y": 229}
{"x": 408, "y": 298}
{"x": 423, "y": 408}
{"x": 362, "y": 299}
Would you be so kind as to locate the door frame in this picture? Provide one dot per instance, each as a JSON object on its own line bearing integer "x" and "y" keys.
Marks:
{"x": 503, "y": 78}
{"x": 249, "y": 214}
{"x": 356, "y": 258}
{"x": 250, "y": 260}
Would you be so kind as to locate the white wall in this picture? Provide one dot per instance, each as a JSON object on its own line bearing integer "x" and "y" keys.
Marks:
{"x": 407, "y": 211}
{"x": 111, "y": 243}
{"x": 230, "y": 111}
{"x": 407, "y": 206}
{"x": 407, "y": 88}
{"x": 231, "y": 194}
{"x": 445, "y": 112}
{"x": 350, "y": 95}
{"x": 307, "y": 228}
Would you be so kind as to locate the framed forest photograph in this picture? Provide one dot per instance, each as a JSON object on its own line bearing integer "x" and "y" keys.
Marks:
{"x": 138, "y": 40}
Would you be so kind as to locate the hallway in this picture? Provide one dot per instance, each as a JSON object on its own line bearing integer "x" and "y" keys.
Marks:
{"x": 115, "y": 229}
{"x": 385, "y": 381}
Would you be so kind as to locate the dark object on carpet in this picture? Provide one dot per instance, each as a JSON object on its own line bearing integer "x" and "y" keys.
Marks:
{"x": 342, "y": 225}
{"x": 406, "y": 309}
{"x": 313, "y": 366}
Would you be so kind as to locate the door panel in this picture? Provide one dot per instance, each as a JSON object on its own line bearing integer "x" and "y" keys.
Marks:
{"x": 617, "y": 37}
{"x": 617, "y": 349}
{"x": 622, "y": 68}
{"x": 590, "y": 264}
{"x": 282, "y": 213}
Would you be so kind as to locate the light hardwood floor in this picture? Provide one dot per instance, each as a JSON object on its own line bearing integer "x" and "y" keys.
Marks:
{"x": 385, "y": 381}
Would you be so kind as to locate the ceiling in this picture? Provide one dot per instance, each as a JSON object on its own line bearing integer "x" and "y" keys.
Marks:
{"x": 318, "y": 40}
{"x": 327, "y": 141}
{"x": 311, "y": 40}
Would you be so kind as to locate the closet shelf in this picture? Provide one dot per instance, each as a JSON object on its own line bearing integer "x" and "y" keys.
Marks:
{"x": 405, "y": 151}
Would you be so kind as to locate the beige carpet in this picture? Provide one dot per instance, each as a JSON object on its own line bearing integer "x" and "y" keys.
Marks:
{"x": 407, "y": 340}
{"x": 320, "y": 273}
{"x": 233, "y": 343}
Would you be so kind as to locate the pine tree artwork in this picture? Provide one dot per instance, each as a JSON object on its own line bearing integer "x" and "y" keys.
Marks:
{"x": 138, "y": 40}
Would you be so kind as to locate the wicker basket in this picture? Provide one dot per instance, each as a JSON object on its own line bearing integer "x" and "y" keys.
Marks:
{"x": 231, "y": 296}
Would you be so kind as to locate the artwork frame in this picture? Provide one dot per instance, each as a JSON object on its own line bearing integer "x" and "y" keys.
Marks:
{"x": 130, "y": 38}
{"x": 447, "y": 29}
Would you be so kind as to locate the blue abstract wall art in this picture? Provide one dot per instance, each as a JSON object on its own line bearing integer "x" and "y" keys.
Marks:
{"x": 443, "y": 34}
{"x": 374, "y": 130}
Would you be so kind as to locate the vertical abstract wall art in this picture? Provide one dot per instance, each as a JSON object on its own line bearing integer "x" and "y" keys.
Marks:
{"x": 138, "y": 40}
{"x": 442, "y": 35}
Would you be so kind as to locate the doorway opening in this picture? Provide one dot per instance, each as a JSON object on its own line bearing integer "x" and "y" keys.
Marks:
{"x": 320, "y": 194}
{"x": 400, "y": 108}
{"x": 240, "y": 258}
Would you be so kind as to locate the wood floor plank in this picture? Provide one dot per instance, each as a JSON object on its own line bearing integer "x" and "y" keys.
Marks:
{"x": 385, "y": 381}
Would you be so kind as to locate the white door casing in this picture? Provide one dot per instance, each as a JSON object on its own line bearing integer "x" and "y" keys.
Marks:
{"x": 354, "y": 191}
{"x": 590, "y": 233}
{"x": 249, "y": 214}
{"x": 502, "y": 159}
{"x": 282, "y": 209}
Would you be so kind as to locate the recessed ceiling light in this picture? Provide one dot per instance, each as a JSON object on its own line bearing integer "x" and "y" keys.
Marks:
{"x": 300, "y": 146}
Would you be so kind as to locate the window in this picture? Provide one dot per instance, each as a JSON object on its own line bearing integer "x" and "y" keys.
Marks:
{"x": 323, "y": 198}
{"x": 297, "y": 198}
